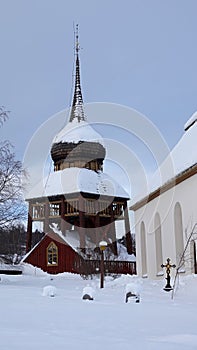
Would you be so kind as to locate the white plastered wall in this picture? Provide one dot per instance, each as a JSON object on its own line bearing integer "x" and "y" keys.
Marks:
{"x": 186, "y": 194}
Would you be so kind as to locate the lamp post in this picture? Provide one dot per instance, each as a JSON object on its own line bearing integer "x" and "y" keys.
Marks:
{"x": 168, "y": 266}
{"x": 102, "y": 246}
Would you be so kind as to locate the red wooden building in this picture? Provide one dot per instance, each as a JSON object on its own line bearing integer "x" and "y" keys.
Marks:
{"x": 50, "y": 255}
{"x": 77, "y": 199}
{"x": 61, "y": 257}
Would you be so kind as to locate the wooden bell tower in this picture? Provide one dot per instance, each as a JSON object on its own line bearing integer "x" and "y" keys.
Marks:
{"x": 91, "y": 213}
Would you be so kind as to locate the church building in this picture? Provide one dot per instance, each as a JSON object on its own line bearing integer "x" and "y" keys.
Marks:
{"x": 78, "y": 203}
{"x": 166, "y": 218}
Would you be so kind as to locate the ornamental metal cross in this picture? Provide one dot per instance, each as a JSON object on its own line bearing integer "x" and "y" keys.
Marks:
{"x": 168, "y": 267}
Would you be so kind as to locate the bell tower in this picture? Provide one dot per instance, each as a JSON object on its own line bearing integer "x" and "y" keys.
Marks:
{"x": 78, "y": 194}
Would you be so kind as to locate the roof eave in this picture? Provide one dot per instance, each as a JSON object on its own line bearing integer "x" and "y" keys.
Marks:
{"x": 182, "y": 176}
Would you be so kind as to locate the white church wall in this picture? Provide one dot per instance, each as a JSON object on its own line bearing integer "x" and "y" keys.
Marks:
{"x": 178, "y": 231}
{"x": 143, "y": 257}
{"x": 186, "y": 195}
{"x": 158, "y": 242}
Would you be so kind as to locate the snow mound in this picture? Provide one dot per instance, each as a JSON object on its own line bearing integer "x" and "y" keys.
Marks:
{"x": 31, "y": 270}
{"x": 123, "y": 280}
{"x": 133, "y": 287}
{"x": 3, "y": 279}
{"x": 67, "y": 275}
{"x": 49, "y": 291}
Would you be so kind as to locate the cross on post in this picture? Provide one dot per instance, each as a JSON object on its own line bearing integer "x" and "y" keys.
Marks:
{"x": 168, "y": 267}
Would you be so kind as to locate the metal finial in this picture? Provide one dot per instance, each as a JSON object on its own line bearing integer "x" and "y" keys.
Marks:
{"x": 77, "y": 39}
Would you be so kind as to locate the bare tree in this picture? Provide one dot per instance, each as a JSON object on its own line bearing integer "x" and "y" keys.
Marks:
{"x": 12, "y": 206}
{"x": 3, "y": 115}
{"x": 185, "y": 256}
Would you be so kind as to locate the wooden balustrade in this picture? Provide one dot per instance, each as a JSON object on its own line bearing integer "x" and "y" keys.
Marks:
{"x": 38, "y": 211}
{"x": 72, "y": 208}
{"x": 54, "y": 209}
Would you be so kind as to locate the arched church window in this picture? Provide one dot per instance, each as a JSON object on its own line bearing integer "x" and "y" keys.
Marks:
{"x": 52, "y": 254}
{"x": 158, "y": 242}
{"x": 143, "y": 249}
{"x": 178, "y": 231}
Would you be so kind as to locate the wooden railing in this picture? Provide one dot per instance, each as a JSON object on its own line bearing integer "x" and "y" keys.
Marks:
{"x": 104, "y": 207}
{"x": 92, "y": 267}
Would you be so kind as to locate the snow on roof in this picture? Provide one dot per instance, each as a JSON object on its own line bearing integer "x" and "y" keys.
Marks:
{"x": 123, "y": 254}
{"x": 71, "y": 238}
{"x": 78, "y": 131}
{"x": 182, "y": 157}
{"x": 74, "y": 180}
{"x": 190, "y": 121}
{"x": 184, "y": 154}
{"x": 29, "y": 252}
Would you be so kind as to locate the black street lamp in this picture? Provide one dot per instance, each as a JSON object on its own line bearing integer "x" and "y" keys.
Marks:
{"x": 102, "y": 246}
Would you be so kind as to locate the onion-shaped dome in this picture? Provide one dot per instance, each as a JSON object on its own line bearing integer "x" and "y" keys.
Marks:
{"x": 78, "y": 145}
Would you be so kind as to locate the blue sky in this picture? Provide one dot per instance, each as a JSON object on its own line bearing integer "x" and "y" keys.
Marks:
{"x": 141, "y": 54}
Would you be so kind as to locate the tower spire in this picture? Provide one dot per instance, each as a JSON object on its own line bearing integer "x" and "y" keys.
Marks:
{"x": 77, "y": 111}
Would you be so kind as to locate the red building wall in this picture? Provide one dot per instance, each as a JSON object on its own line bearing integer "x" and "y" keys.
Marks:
{"x": 67, "y": 257}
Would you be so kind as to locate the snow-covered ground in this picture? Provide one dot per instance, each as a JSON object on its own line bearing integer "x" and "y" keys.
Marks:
{"x": 43, "y": 312}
